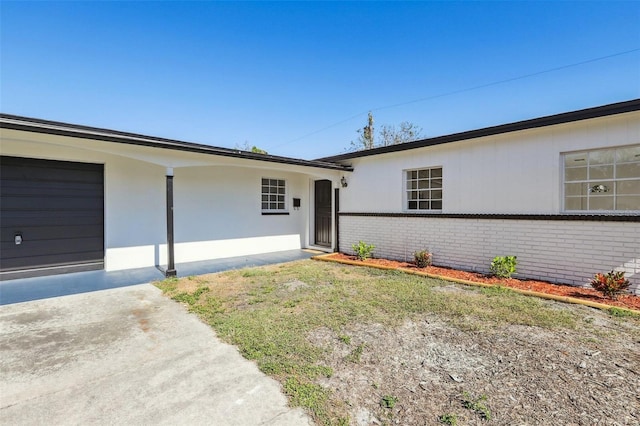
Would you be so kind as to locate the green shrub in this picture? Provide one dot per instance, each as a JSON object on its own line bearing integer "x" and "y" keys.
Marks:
{"x": 422, "y": 258}
{"x": 448, "y": 419}
{"x": 363, "y": 250}
{"x": 389, "y": 401}
{"x": 611, "y": 285}
{"x": 503, "y": 266}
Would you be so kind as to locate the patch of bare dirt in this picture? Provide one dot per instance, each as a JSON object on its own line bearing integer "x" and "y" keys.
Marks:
{"x": 626, "y": 301}
{"x": 528, "y": 375}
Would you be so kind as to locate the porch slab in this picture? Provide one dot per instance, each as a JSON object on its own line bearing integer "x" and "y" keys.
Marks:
{"x": 37, "y": 288}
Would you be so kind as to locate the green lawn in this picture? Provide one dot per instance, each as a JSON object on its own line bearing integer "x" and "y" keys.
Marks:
{"x": 269, "y": 312}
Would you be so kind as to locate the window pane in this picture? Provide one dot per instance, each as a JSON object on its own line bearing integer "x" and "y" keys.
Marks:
{"x": 604, "y": 156}
{"x": 423, "y": 174}
{"x": 575, "y": 203}
{"x": 272, "y": 198}
{"x": 576, "y": 173}
{"x": 601, "y": 203}
{"x": 265, "y": 198}
{"x": 423, "y": 184}
{"x": 280, "y": 183}
{"x": 281, "y": 198}
{"x": 273, "y": 190}
{"x": 265, "y": 189}
{"x": 628, "y": 187}
{"x": 436, "y": 183}
{"x": 412, "y": 195}
{"x": 575, "y": 189}
{"x": 281, "y": 190}
{"x": 423, "y": 195}
{"x": 265, "y": 206}
{"x": 436, "y": 172}
{"x": 436, "y": 205}
{"x": 601, "y": 172}
{"x": 424, "y": 205}
{"x": 265, "y": 181}
{"x": 280, "y": 206}
{"x": 628, "y": 170}
{"x": 412, "y": 184}
{"x": 628, "y": 154}
{"x": 413, "y": 174}
{"x": 413, "y": 205}
{"x": 628, "y": 202}
{"x": 436, "y": 195}
{"x": 574, "y": 160}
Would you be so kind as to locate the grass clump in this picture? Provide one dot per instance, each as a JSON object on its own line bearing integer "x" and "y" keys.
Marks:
{"x": 389, "y": 401}
{"x": 355, "y": 355}
{"x": 622, "y": 313}
{"x": 448, "y": 419}
{"x": 477, "y": 404}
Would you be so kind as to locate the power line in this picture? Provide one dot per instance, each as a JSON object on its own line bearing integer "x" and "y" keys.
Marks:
{"x": 455, "y": 92}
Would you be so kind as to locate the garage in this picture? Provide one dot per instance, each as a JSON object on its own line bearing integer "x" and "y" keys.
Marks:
{"x": 51, "y": 217}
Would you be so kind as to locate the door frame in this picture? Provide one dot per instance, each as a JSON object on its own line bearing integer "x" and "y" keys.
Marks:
{"x": 316, "y": 210}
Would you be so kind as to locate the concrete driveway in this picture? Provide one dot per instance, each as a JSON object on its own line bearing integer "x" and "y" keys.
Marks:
{"x": 127, "y": 356}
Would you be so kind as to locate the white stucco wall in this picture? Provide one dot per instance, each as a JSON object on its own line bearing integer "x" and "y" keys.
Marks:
{"x": 217, "y": 200}
{"x": 217, "y": 213}
{"x": 517, "y": 172}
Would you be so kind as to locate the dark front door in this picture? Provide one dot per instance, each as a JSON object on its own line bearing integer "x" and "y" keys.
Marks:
{"x": 52, "y": 217}
{"x": 323, "y": 213}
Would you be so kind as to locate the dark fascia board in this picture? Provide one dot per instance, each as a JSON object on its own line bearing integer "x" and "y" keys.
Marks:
{"x": 14, "y": 122}
{"x": 550, "y": 120}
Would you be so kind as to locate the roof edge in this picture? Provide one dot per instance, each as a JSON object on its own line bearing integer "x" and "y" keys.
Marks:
{"x": 549, "y": 120}
{"x": 35, "y": 125}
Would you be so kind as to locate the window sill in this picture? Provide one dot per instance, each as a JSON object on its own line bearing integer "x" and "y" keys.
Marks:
{"x": 275, "y": 213}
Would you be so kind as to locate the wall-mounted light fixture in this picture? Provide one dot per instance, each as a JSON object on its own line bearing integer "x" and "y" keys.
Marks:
{"x": 343, "y": 182}
{"x": 296, "y": 203}
{"x": 599, "y": 188}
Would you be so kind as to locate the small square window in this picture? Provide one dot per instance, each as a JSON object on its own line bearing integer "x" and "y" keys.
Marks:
{"x": 420, "y": 185}
{"x": 273, "y": 195}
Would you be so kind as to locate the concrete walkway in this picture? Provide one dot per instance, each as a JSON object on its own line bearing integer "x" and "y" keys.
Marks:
{"x": 127, "y": 356}
{"x": 23, "y": 290}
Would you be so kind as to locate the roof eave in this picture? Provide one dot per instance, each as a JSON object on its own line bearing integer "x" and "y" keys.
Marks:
{"x": 27, "y": 124}
{"x": 562, "y": 118}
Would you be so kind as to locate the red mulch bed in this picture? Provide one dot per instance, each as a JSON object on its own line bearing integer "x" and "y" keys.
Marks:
{"x": 625, "y": 301}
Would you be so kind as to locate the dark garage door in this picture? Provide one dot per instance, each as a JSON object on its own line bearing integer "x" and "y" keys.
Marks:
{"x": 51, "y": 217}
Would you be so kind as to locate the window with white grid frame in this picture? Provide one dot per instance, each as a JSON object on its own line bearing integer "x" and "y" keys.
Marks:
{"x": 603, "y": 179}
{"x": 423, "y": 189}
{"x": 273, "y": 194}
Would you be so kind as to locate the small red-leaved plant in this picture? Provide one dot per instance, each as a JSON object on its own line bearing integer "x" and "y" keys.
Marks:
{"x": 611, "y": 285}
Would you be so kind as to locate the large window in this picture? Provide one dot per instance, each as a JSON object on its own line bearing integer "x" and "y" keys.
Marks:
{"x": 604, "y": 179}
{"x": 273, "y": 195}
{"x": 424, "y": 189}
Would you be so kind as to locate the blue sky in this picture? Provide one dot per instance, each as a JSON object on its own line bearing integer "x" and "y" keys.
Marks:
{"x": 298, "y": 78}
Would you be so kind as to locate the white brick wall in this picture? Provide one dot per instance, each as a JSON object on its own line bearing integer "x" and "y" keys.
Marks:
{"x": 568, "y": 252}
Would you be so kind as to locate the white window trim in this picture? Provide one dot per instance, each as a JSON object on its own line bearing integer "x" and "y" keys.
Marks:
{"x": 286, "y": 196}
{"x": 613, "y": 181}
{"x": 405, "y": 201}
